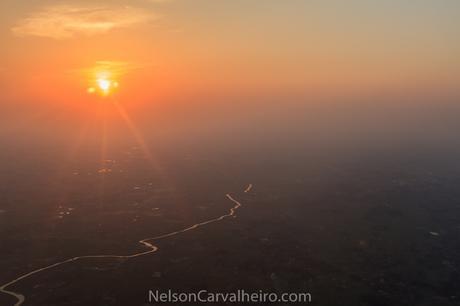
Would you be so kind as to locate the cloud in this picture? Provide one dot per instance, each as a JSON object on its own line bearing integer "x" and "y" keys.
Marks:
{"x": 66, "y": 21}
{"x": 116, "y": 68}
{"x": 112, "y": 69}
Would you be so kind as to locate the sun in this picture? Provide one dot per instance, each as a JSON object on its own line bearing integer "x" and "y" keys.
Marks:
{"x": 103, "y": 84}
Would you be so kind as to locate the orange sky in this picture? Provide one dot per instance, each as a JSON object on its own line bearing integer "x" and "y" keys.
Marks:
{"x": 175, "y": 49}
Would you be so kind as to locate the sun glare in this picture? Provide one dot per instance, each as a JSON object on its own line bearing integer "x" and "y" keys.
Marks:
{"x": 102, "y": 83}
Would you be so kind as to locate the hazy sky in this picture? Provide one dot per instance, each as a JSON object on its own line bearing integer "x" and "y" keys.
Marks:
{"x": 167, "y": 48}
{"x": 283, "y": 72}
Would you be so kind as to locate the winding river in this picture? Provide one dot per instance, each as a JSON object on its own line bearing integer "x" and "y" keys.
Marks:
{"x": 147, "y": 242}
